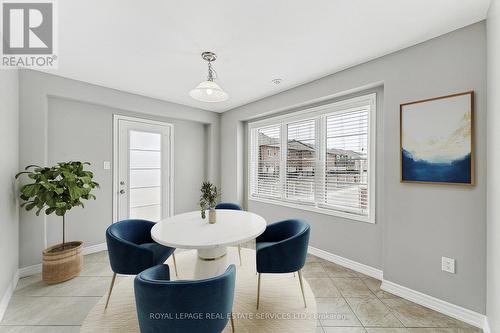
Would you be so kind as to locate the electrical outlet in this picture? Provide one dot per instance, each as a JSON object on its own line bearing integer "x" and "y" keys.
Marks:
{"x": 107, "y": 165}
{"x": 448, "y": 265}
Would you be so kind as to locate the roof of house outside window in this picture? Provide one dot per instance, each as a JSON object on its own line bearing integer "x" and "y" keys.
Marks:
{"x": 268, "y": 141}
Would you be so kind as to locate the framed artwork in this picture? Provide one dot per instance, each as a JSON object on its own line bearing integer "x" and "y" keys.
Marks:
{"x": 437, "y": 140}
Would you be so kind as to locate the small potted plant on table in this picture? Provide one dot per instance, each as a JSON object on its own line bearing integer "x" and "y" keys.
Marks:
{"x": 208, "y": 200}
{"x": 58, "y": 189}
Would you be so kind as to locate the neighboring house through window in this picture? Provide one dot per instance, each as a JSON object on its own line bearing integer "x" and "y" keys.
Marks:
{"x": 319, "y": 159}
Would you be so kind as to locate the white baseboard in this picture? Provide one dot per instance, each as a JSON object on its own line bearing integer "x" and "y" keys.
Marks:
{"x": 94, "y": 248}
{"x": 37, "y": 268}
{"x": 30, "y": 270}
{"x": 8, "y": 294}
{"x": 486, "y": 327}
{"x": 449, "y": 309}
{"x": 354, "y": 265}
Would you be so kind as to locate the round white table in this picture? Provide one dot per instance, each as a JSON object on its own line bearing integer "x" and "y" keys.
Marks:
{"x": 190, "y": 231}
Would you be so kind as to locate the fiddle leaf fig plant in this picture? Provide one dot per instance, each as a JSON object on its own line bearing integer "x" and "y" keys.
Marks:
{"x": 57, "y": 189}
{"x": 210, "y": 194}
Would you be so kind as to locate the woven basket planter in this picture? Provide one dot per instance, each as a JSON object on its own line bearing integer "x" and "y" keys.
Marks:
{"x": 61, "y": 265}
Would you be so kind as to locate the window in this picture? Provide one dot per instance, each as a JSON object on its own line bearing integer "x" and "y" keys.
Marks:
{"x": 301, "y": 160}
{"x": 320, "y": 159}
{"x": 267, "y": 173}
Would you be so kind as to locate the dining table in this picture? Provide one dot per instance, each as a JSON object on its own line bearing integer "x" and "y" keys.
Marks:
{"x": 193, "y": 232}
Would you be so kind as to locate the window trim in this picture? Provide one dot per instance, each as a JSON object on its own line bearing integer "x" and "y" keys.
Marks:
{"x": 322, "y": 111}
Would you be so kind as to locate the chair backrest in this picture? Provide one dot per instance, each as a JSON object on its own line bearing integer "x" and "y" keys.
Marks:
{"x": 288, "y": 254}
{"x": 282, "y": 230}
{"x": 123, "y": 238}
{"x": 202, "y": 306}
{"x": 228, "y": 205}
{"x": 134, "y": 231}
{"x": 298, "y": 233}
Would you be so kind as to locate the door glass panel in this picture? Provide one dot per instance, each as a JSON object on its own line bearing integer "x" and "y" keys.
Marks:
{"x": 145, "y": 188}
{"x": 145, "y": 178}
{"x": 145, "y": 141}
{"x": 145, "y": 196}
{"x": 151, "y": 213}
{"x": 140, "y": 159}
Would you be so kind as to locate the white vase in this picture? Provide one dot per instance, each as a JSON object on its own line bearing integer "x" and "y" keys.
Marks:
{"x": 211, "y": 216}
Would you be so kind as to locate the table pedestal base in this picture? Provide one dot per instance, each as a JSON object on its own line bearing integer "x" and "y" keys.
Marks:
{"x": 211, "y": 262}
{"x": 212, "y": 254}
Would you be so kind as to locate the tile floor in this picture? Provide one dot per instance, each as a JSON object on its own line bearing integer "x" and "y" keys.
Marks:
{"x": 347, "y": 302}
{"x": 350, "y": 302}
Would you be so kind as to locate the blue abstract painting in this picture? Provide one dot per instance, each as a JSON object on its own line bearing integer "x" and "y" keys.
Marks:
{"x": 436, "y": 140}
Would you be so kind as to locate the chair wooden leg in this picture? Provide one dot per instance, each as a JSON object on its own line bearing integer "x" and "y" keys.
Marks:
{"x": 232, "y": 322}
{"x": 110, "y": 290}
{"x": 175, "y": 265}
{"x": 302, "y": 288}
{"x": 239, "y": 253}
{"x": 258, "y": 290}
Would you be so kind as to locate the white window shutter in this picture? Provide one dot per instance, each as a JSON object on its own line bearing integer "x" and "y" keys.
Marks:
{"x": 346, "y": 162}
{"x": 302, "y": 151}
{"x": 265, "y": 162}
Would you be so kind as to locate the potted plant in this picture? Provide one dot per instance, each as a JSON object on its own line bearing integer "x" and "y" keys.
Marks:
{"x": 208, "y": 200}
{"x": 58, "y": 189}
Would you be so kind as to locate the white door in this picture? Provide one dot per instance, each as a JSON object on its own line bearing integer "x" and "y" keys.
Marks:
{"x": 144, "y": 168}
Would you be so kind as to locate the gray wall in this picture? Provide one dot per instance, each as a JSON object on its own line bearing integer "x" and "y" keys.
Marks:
{"x": 416, "y": 224}
{"x": 91, "y": 140}
{"x": 9, "y": 146}
{"x": 493, "y": 33}
{"x": 63, "y": 119}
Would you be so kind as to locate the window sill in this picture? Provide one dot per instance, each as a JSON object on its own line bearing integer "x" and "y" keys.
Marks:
{"x": 314, "y": 209}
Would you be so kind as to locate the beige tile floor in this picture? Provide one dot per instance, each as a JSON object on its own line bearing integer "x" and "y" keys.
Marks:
{"x": 347, "y": 301}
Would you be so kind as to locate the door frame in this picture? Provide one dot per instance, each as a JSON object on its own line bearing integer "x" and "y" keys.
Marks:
{"x": 116, "y": 119}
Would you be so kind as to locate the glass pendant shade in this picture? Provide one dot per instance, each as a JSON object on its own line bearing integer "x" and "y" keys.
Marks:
{"x": 209, "y": 91}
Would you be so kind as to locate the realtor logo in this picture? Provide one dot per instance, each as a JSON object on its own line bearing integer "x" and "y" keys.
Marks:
{"x": 28, "y": 31}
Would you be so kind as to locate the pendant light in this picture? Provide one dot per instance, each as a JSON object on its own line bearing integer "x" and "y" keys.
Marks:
{"x": 209, "y": 91}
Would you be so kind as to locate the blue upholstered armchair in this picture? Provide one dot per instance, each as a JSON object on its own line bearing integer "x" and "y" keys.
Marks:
{"x": 132, "y": 250}
{"x": 228, "y": 205}
{"x": 282, "y": 248}
{"x": 231, "y": 206}
{"x": 176, "y": 306}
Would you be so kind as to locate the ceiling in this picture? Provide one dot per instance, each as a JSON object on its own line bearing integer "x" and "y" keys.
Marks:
{"x": 153, "y": 47}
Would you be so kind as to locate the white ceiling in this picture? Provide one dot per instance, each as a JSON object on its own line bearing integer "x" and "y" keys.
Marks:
{"x": 153, "y": 47}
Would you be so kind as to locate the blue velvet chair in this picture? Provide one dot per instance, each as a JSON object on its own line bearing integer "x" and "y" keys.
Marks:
{"x": 178, "y": 302}
{"x": 282, "y": 248}
{"x": 231, "y": 206}
{"x": 132, "y": 250}
{"x": 228, "y": 205}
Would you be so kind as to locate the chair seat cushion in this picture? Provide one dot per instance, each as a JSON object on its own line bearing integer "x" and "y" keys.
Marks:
{"x": 260, "y": 245}
{"x": 161, "y": 253}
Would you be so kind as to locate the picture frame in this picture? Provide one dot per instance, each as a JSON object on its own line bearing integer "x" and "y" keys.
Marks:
{"x": 437, "y": 140}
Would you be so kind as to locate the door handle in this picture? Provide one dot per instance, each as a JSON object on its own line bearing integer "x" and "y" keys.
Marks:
{"x": 122, "y": 191}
